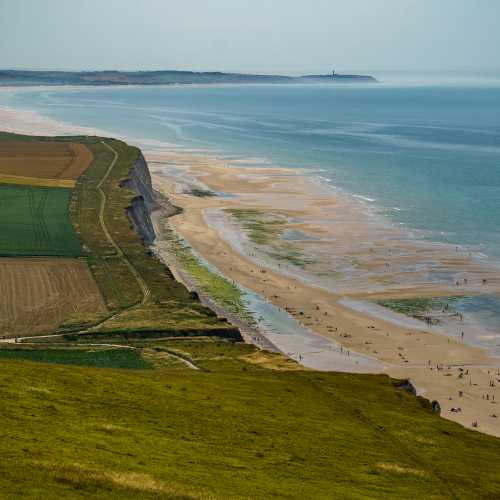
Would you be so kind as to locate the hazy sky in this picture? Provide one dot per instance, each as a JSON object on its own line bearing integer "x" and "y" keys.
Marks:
{"x": 251, "y": 35}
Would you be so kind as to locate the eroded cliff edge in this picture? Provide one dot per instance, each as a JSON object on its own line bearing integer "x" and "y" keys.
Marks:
{"x": 139, "y": 212}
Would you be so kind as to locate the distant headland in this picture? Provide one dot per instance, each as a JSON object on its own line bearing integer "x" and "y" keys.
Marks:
{"x": 167, "y": 77}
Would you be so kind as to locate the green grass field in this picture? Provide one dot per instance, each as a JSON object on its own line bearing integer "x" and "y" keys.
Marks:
{"x": 110, "y": 358}
{"x": 35, "y": 221}
{"x": 230, "y": 430}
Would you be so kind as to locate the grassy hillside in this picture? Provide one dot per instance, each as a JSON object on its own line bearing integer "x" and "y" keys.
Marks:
{"x": 35, "y": 221}
{"x": 140, "y": 292}
{"x": 126, "y": 411}
{"x": 169, "y": 307}
{"x": 232, "y": 429}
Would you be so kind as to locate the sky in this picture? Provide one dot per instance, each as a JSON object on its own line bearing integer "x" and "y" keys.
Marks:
{"x": 267, "y": 36}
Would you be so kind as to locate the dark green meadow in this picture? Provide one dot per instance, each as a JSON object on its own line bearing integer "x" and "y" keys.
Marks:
{"x": 35, "y": 221}
{"x": 233, "y": 430}
{"x": 104, "y": 358}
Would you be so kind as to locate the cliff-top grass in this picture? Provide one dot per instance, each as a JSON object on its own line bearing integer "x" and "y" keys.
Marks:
{"x": 231, "y": 429}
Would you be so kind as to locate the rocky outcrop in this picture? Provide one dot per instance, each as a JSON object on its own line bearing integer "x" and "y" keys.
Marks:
{"x": 407, "y": 386}
{"x": 139, "y": 212}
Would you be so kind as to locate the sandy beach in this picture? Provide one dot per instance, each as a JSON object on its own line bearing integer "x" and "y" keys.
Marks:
{"x": 356, "y": 258}
{"x": 442, "y": 367}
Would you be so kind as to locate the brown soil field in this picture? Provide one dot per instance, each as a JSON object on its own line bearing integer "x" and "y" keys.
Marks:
{"x": 35, "y": 181}
{"x": 39, "y": 294}
{"x": 43, "y": 160}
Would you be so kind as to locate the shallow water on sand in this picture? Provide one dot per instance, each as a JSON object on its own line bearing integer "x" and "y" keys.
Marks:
{"x": 425, "y": 157}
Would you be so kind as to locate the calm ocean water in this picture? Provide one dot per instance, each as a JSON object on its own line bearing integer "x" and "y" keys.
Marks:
{"x": 428, "y": 156}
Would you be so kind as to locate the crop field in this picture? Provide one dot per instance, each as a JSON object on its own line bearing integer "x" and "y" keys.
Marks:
{"x": 35, "y": 221}
{"x": 170, "y": 307}
{"x": 37, "y": 295}
{"x": 52, "y": 221}
{"x": 50, "y": 163}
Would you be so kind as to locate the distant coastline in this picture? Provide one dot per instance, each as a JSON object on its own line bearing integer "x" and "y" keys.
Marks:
{"x": 167, "y": 77}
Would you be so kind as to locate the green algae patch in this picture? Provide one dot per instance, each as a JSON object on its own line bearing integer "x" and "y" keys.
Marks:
{"x": 267, "y": 230}
{"x": 420, "y": 307}
{"x": 220, "y": 289}
{"x": 261, "y": 227}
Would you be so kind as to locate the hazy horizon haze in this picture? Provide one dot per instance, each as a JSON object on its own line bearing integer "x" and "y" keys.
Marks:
{"x": 251, "y": 36}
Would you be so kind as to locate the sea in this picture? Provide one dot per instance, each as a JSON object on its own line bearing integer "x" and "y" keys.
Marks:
{"x": 424, "y": 153}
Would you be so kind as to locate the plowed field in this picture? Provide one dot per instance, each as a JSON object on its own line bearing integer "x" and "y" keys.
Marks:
{"x": 50, "y": 160}
{"x": 37, "y": 295}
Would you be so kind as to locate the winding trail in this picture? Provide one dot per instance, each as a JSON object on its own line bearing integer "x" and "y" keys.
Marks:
{"x": 146, "y": 292}
{"x": 183, "y": 360}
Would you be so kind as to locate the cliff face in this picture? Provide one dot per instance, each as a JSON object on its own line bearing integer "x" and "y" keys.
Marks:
{"x": 139, "y": 212}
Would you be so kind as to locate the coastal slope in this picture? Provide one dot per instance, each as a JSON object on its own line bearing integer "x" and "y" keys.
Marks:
{"x": 161, "y": 399}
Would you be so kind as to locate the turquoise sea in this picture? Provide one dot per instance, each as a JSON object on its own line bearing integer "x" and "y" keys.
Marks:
{"x": 429, "y": 156}
{"x": 425, "y": 155}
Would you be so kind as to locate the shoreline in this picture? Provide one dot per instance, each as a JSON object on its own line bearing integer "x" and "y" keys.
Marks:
{"x": 274, "y": 328}
{"x": 405, "y": 354}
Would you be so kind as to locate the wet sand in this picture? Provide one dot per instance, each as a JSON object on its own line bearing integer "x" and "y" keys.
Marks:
{"x": 369, "y": 260}
{"x": 443, "y": 368}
